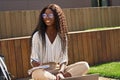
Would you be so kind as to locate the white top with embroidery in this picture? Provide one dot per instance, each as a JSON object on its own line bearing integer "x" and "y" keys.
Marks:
{"x": 52, "y": 53}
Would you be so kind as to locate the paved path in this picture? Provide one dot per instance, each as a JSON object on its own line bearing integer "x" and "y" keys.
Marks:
{"x": 103, "y": 78}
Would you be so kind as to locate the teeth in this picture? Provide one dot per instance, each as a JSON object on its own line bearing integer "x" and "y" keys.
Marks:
{"x": 47, "y": 21}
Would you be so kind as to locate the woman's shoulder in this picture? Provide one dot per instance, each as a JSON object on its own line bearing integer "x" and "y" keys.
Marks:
{"x": 36, "y": 35}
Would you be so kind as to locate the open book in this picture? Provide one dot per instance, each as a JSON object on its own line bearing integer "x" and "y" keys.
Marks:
{"x": 39, "y": 67}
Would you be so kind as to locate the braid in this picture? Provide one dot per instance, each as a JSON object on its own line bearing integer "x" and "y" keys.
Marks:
{"x": 63, "y": 25}
{"x": 62, "y": 22}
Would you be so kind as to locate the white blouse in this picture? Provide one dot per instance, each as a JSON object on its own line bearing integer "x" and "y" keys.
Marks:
{"x": 52, "y": 53}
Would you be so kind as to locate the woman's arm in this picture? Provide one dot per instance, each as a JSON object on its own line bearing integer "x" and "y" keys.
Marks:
{"x": 62, "y": 67}
{"x": 35, "y": 61}
{"x": 60, "y": 74}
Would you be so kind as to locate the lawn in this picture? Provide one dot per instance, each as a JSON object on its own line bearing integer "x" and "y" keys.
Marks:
{"x": 111, "y": 70}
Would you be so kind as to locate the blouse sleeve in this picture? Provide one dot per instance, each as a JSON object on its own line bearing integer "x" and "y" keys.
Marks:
{"x": 35, "y": 47}
{"x": 64, "y": 57}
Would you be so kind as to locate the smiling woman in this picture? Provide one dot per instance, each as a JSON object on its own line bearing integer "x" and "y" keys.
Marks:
{"x": 48, "y": 18}
{"x": 49, "y": 56}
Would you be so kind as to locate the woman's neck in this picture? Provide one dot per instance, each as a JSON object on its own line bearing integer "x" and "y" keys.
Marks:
{"x": 51, "y": 30}
{"x": 51, "y": 33}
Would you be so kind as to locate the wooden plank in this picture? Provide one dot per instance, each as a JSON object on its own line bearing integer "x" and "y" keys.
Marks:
{"x": 76, "y": 14}
{"x": 18, "y": 17}
{"x": 33, "y": 20}
{"x": 90, "y": 52}
{"x": 118, "y": 15}
{"x": 70, "y": 49}
{"x": 37, "y": 13}
{"x": 85, "y": 45}
{"x": 85, "y": 14}
{"x": 75, "y": 47}
{"x": 86, "y": 77}
{"x": 80, "y": 47}
{"x": 92, "y": 17}
{"x": 106, "y": 17}
{"x": 108, "y": 48}
{"x": 8, "y": 24}
{"x": 113, "y": 17}
{"x": 80, "y": 19}
{"x": 116, "y": 45}
{"x": 89, "y": 18}
{"x": 67, "y": 15}
{"x": 95, "y": 43}
{"x": 2, "y": 25}
{"x": 28, "y": 51}
{"x": 102, "y": 17}
{"x": 98, "y": 47}
{"x": 118, "y": 39}
{"x": 0, "y": 48}
{"x": 96, "y": 17}
{"x": 103, "y": 45}
{"x": 28, "y": 22}
{"x": 19, "y": 61}
{"x": 25, "y": 56}
{"x": 24, "y": 31}
{"x": 13, "y": 24}
{"x": 12, "y": 58}
{"x": 109, "y": 17}
{"x": 73, "y": 20}
{"x": 112, "y": 45}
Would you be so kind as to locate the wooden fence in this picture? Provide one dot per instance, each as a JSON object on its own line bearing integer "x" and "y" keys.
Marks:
{"x": 17, "y": 56}
{"x": 92, "y": 46}
{"x": 22, "y": 23}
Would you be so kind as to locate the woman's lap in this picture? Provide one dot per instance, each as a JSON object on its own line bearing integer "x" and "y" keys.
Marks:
{"x": 78, "y": 68}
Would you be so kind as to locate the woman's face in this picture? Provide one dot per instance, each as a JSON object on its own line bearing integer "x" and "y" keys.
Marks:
{"x": 48, "y": 17}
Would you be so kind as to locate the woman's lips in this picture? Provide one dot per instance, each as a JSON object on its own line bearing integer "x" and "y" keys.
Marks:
{"x": 48, "y": 21}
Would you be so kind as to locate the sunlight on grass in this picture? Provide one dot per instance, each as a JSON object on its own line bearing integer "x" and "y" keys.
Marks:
{"x": 111, "y": 70}
{"x": 103, "y": 28}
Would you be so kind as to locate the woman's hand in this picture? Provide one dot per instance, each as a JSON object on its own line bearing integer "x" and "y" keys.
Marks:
{"x": 61, "y": 72}
{"x": 59, "y": 76}
{"x": 35, "y": 63}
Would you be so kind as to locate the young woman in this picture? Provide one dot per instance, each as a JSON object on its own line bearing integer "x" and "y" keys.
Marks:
{"x": 49, "y": 47}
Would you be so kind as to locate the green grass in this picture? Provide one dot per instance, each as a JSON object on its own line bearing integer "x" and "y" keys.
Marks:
{"x": 111, "y": 70}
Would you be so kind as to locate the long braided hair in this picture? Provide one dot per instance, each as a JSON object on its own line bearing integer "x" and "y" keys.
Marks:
{"x": 60, "y": 24}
